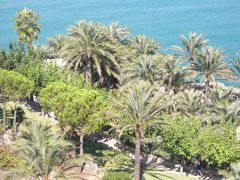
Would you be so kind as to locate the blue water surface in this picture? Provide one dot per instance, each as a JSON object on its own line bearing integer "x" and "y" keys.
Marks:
{"x": 164, "y": 20}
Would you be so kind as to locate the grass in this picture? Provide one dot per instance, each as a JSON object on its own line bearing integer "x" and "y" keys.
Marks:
{"x": 164, "y": 175}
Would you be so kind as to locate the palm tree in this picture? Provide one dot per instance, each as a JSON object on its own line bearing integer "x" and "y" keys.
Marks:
{"x": 144, "y": 67}
{"x": 89, "y": 48}
{"x": 143, "y": 45}
{"x": 236, "y": 64}
{"x": 190, "y": 46}
{"x": 191, "y": 101}
{"x": 55, "y": 46}
{"x": 169, "y": 68}
{"x": 210, "y": 66}
{"x": 43, "y": 151}
{"x": 139, "y": 109}
{"x": 117, "y": 32}
{"x": 26, "y": 26}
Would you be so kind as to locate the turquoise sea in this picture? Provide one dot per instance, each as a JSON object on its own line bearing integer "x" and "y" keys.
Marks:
{"x": 164, "y": 20}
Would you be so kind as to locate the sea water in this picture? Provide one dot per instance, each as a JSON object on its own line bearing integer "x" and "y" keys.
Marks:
{"x": 163, "y": 20}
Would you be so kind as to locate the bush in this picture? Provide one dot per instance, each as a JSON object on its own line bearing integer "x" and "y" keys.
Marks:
{"x": 186, "y": 138}
{"x": 114, "y": 160}
{"x": 8, "y": 159}
{"x": 117, "y": 176}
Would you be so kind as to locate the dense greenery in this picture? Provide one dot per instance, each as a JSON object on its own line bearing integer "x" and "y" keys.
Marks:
{"x": 185, "y": 137}
{"x": 99, "y": 81}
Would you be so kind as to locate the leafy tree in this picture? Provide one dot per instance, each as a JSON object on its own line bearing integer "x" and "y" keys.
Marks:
{"x": 13, "y": 86}
{"x": 78, "y": 108}
{"x": 180, "y": 136}
{"x": 140, "y": 108}
{"x": 43, "y": 151}
{"x": 89, "y": 49}
{"x": 215, "y": 150}
{"x": 187, "y": 138}
{"x": 26, "y": 25}
{"x": 190, "y": 46}
{"x": 210, "y": 66}
{"x": 11, "y": 58}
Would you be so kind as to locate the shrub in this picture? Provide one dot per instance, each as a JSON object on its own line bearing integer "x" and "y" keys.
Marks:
{"x": 186, "y": 138}
{"x": 114, "y": 160}
{"x": 117, "y": 176}
{"x": 8, "y": 159}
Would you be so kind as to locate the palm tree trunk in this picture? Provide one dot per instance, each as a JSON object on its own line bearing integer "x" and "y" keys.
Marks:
{"x": 137, "y": 152}
{"x": 101, "y": 79}
{"x": 4, "y": 116}
{"x": 15, "y": 120}
{"x": 206, "y": 86}
{"x": 90, "y": 71}
{"x": 81, "y": 144}
{"x": 170, "y": 80}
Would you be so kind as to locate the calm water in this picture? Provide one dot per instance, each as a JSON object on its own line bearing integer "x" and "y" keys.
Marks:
{"x": 163, "y": 20}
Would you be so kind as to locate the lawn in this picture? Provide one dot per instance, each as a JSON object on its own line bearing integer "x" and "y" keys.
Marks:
{"x": 163, "y": 175}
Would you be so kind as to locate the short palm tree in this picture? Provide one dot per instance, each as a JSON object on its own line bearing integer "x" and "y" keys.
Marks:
{"x": 143, "y": 45}
{"x": 169, "y": 68}
{"x": 138, "y": 109}
{"x": 25, "y": 23}
{"x": 190, "y": 46}
{"x": 210, "y": 66}
{"x": 144, "y": 67}
{"x": 236, "y": 64}
{"x": 90, "y": 49}
{"x": 191, "y": 101}
{"x": 43, "y": 151}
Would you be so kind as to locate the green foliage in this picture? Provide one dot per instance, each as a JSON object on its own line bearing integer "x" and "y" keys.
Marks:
{"x": 218, "y": 145}
{"x": 8, "y": 159}
{"x": 25, "y": 23}
{"x": 180, "y": 136}
{"x": 117, "y": 176}
{"x": 114, "y": 160}
{"x": 185, "y": 137}
{"x": 42, "y": 150}
{"x": 14, "y": 85}
{"x": 40, "y": 73}
{"x": 78, "y": 108}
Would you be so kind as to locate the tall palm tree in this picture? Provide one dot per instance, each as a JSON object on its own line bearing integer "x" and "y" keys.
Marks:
{"x": 143, "y": 45}
{"x": 117, "y": 32}
{"x": 26, "y": 25}
{"x": 144, "y": 67}
{"x": 190, "y": 46}
{"x": 88, "y": 49}
{"x": 169, "y": 68}
{"x": 210, "y": 66}
{"x": 55, "y": 46}
{"x": 139, "y": 109}
{"x": 43, "y": 151}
